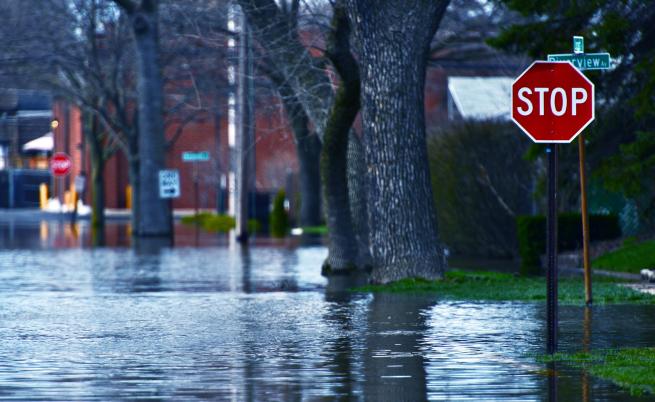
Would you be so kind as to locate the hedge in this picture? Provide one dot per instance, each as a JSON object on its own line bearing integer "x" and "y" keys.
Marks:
{"x": 531, "y": 233}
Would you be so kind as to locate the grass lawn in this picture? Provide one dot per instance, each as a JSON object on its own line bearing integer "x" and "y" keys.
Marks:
{"x": 482, "y": 285}
{"x": 632, "y": 368}
{"x": 629, "y": 258}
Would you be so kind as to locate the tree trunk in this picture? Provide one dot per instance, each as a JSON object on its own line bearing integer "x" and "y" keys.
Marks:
{"x": 358, "y": 198}
{"x": 154, "y": 212}
{"x": 393, "y": 38}
{"x": 135, "y": 183}
{"x": 342, "y": 250}
{"x": 97, "y": 157}
{"x": 98, "y": 180}
{"x": 308, "y": 149}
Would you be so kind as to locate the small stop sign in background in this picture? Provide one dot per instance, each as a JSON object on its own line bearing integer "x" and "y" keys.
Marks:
{"x": 60, "y": 164}
{"x": 552, "y": 101}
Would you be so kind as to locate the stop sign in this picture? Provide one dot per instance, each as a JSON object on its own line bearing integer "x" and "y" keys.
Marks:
{"x": 60, "y": 164}
{"x": 552, "y": 101}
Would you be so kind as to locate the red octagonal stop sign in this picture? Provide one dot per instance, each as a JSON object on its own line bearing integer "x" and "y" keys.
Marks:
{"x": 552, "y": 101}
{"x": 60, "y": 164}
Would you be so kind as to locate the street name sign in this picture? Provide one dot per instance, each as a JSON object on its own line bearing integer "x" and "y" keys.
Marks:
{"x": 169, "y": 183}
{"x": 552, "y": 102}
{"x": 584, "y": 61}
{"x": 60, "y": 164}
{"x": 195, "y": 156}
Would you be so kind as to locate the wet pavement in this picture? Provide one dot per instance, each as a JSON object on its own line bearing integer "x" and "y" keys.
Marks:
{"x": 218, "y": 322}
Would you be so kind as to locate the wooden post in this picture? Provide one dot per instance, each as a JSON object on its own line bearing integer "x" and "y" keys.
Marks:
{"x": 585, "y": 221}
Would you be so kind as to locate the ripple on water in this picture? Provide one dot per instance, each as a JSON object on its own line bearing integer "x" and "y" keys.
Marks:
{"x": 216, "y": 323}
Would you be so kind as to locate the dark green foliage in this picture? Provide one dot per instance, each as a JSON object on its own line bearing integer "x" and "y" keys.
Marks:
{"x": 631, "y": 368}
{"x": 279, "y": 218}
{"x": 480, "y": 182}
{"x": 484, "y": 285}
{"x": 211, "y": 222}
{"x": 532, "y": 235}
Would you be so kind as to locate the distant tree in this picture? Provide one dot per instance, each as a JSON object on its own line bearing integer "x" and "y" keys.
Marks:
{"x": 393, "y": 40}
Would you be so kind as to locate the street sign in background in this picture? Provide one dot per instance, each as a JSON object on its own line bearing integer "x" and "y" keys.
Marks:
{"x": 169, "y": 183}
{"x": 60, "y": 164}
{"x": 584, "y": 61}
{"x": 195, "y": 156}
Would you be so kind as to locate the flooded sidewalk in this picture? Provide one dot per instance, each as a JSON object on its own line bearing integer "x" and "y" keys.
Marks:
{"x": 223, "y": 323}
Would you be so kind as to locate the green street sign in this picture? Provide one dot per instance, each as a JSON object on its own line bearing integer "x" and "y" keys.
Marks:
{"x": 585, "y": 61}
{"x": 195, "y": 156}
{"x": 578, "y": 44}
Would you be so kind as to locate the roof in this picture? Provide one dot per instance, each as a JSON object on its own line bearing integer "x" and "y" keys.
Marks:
{"x": 42, "y": 144}
{"x": 481, "y": 98}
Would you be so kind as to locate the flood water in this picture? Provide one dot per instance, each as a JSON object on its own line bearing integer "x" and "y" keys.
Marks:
{"x": 222, "y": 323}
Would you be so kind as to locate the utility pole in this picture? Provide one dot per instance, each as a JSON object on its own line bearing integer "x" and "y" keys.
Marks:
{"x": 245, "y": 130}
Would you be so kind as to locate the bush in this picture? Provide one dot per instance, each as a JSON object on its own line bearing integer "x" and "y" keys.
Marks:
{"x": 531, "y": 232}
{"x": 481, "y": 182}
{"x": 279, "y": 218}
{"x": 211, "y": 222}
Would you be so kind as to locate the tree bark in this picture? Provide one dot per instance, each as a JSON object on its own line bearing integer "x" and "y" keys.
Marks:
{"x": 153, "y": 212}
{"x": 393, "y": 38}
{"x": 97, "y": 177}
{"x": 358, "y": 198}
{"x": 343, "y": 252}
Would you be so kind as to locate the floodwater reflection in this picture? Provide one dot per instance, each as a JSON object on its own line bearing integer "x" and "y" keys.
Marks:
{"x": 260, "y": 323}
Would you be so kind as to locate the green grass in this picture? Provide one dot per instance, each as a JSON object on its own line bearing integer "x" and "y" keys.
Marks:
{"x": 211, "y": 222}
{"x": 493, "y": 286}
{"x": 631, "y": 368}
{"x": 315, "y": 230}
{"x": 629, "y": 258}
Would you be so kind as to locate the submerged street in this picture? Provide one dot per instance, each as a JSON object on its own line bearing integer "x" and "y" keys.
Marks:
{"x": 219, "y": 322}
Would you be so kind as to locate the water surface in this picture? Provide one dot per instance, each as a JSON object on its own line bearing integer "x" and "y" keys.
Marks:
{"x": 222, "y": 323}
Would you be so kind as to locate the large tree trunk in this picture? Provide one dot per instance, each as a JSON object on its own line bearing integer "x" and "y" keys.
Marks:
{"x": 343, "y": 250}
{"x": 154, "y": 212}
{"x": 393, "y": 38}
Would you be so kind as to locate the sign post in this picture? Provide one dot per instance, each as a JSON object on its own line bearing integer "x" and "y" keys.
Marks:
{"x": 552, "y": 102}
{"x": 584, "y": 61}
{"x": 195, "y": 157}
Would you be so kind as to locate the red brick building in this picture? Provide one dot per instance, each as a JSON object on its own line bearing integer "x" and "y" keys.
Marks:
{"x": 274, "y": 150}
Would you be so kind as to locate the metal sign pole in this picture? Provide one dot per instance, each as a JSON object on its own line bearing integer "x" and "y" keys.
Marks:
{"x": 551, "y": 251}
{"x": 195, "y": 186}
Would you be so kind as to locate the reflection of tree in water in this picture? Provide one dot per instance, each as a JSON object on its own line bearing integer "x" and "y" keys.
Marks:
{"x": 142, "y": 274}
{"x": 393, "y": 363}
{"x": 341, "y": 351}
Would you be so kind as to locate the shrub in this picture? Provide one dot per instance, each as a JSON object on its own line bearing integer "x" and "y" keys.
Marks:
{"x": 279, "y": 218}
{"x": 211, "y": 222}
{"x": 531, "y": 232}
{"x": 481, "y": 182}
